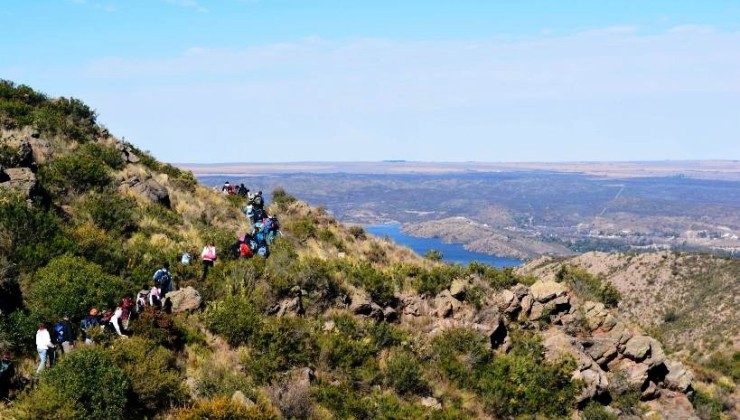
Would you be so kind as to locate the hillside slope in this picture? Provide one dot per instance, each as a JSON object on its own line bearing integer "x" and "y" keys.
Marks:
{"x": 334, "y": 324}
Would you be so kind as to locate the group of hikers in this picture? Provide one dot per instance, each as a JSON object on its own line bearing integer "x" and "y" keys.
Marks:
{"x": 63, "y": 335}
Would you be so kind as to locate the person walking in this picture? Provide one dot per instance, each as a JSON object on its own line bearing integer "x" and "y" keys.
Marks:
{"x": 209, "y": 257}
{"x": 163, "y": 279}
{"x": 43, "y": 345}
{"x": 87, "y": 325}
{"x": 63, "y": 334}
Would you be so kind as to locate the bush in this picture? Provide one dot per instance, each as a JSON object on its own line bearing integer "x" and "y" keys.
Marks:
{"x": 217, "y": 380}
{"x": 158, "y": 327}
{"x": 85, "y": 384}
{"x": 596, "y": 411}
{"x": 77, "y": 172}
{"x": 434, "y": 255}
{"x": 439, "y": 278}
{"x": 72, "y": 285}
{"x": 726, "y": 364}
{"x": 155, "y": 378}
{"x": 588, "y": 286}
{"x": 223, "y": 408}
{"x": 302, "y": 228}
{"x": 235, "y": 318}
{"x": 379, "y": 285}
{"x": 496, "y": 278}
{"x": 281, "y": 344}
{"x": 35, "y": 236}
{"x": 404, "y": 373}
{"x": 108, "y": 154}
{"x": 707, "y": 407}
{"x": 282, "y": 199}
{"x": 111, "y": 212}
{"x": 357, "y": 232}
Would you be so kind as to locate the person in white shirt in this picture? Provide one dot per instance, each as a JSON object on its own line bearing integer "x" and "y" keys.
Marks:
{"x": 43, "y": 345}
{"x": 116, "y": 320}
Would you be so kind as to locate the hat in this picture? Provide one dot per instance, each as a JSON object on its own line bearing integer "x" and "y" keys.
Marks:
{"x": 93, "y": 311}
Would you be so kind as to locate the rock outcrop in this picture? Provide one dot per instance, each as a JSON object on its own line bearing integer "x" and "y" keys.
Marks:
{"x": 150, "y": 189}
{"x": 187, "y": 299}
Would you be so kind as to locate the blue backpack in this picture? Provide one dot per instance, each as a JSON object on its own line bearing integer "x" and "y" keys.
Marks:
{"x": 263, "y": 252}
{"x": 162, "y": 277}
{"x": 59, "y": 332}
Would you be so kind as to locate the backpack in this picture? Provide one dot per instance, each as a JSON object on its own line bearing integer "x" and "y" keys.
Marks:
{"x": 269, "y": 224}
{"x": 59, "y": 333}
{"x": 261, "y": 238}
{"x": 185, "y": 260}
{"x": 244, "y": 250}
{"x": 89, "y": 322}
{"x": 161, "y": 277}
{"x": 263, "y": 252}
{"x": 258, "y": 201}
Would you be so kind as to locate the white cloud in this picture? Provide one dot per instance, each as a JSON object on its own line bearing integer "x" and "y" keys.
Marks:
{"x": 188, "y": 4}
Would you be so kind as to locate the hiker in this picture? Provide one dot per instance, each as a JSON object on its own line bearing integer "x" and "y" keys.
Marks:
{"x": 63, "y": 335}
{"x": 226, "y": 189}
{"x": 127, "y": 304}
{"x": 155, "y": 297}
{"x": 163, "y": 279}
{"x": 43, "y": 345}
{"x": 115, "y": 321}
{"x": 243, "y": 191}
{"x": 7, "y": 373}
{"x": 87, "y": 324}
{"x": 185, "y": 258}
{"x": 142, "y": 297}
{"x": 209, "y": 257}
{"x": 258, "y": 202}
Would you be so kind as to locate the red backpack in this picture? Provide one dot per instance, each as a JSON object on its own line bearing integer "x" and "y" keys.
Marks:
{"x": 244, "y": 250}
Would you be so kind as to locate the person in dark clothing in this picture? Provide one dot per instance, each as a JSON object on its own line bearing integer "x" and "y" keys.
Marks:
{"x": 163, "y": 279}
{"x": 243, "y": 191}
{"x": 64, "y": 335}
{"x": 87, "y": 325}
{"x": 7, "y": 373}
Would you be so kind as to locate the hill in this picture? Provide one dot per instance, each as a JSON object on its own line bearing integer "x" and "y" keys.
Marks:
{"x": 333, "y": 324}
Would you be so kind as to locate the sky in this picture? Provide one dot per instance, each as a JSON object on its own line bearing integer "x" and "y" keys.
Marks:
{"x": 334, "y": 80}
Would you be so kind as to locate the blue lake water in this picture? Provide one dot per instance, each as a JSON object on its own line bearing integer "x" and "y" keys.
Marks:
{"x": 452, "y": 253}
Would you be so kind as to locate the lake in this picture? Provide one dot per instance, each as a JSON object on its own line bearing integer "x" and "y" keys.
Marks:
{"x": 452, "y": 253}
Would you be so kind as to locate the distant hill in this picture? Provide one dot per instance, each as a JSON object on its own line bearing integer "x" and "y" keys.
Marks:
{"x": 333, "y": 324}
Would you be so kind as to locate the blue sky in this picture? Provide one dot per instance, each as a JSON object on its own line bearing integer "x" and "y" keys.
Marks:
{"x": 302, "y": 80}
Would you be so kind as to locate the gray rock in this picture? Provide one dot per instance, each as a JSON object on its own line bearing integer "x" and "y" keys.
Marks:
{"x": 602, "y": 350}
{"x": 537, "y": 311}
{"x": 22, "y": 180}
{"x": 678, "y": 378}
{"x": 544, "y": 291}
{"x": 360, "y": 304}
{"x": 431, "y": 402}
{"x": 458, "y": 288}
{"x": 445, "y": 304}
{"x": 150, "y": 189}
{"x": 187, "y": 299}
{"x": 390, "y": 314}
{"x": 651, "y": 392}
{"x": 638, "y": 347}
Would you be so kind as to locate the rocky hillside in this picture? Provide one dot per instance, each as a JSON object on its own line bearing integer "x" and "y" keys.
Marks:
{"x": 334, "y": 324}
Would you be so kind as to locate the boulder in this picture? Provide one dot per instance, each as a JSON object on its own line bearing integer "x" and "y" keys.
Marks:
{"x": 678, "y": 378}
{"x": 507, "y": 302}
{"x": 445, "y": 304}
{"x": 390, "y": 314}
{"x": 638, "y": 347}
{"x": 24, "y": 157}
{"x": 595, "y": 314}
{"x": 537, "y": 311}
{"x": 291, "y": 306}
{"x": 492, "y": 325}
{"x": 187, "y": 299}
{"x": 526, "y": 307}
{"x": 636, "y": 374}
{"x": 305, "y": 376}
{"x": 601, "y": 350}
{"x": 22, "y": 180}
{"x": 520, "y": 291}
{"x": 458, "y": 288}
{"x": 360, "y": 303}
{"x": 650, "y": 392}
{"x": 544, "y": 291}
{"x": 150, "y": 189}
{"x": 127, "y": 153}
{"x": 431, "y": 402}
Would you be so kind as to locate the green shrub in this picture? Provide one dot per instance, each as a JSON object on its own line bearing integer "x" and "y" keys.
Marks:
{"x": 85, "y": 384}
{"x": 303, "y": 228}
{"x": 108, "y": 154}
{"x": 77, "y": 172}
{"x": 434, "y": 255}
{"x": 217, "y": 380}
{"x": 707, "y": 407}
{"x": 282, "y": 199}
{"x": 235, "y": 318}
{"x": 17, "y": 331}
{"x": 375, "y": 282}
{"x": 496, "y": 278}
{"x": 726, "y": 364}
{"x": 281, "y": 344}
{"x": 158, "y": 327}
{"x": 34, "y": 235}
{"x": 111, "y": 212}
{"x": 72, "y": 285}
{"x": 404, "y": 373}
{"x": 596, "y": 411}
{"x": 155, "y": 378}
{"x": 357, "y": 232}
{"x": 223, "y": 408}
{"x": 436, "y": 279}
{"x": 376, "y": 254}
{"x": 588, "y": 286}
